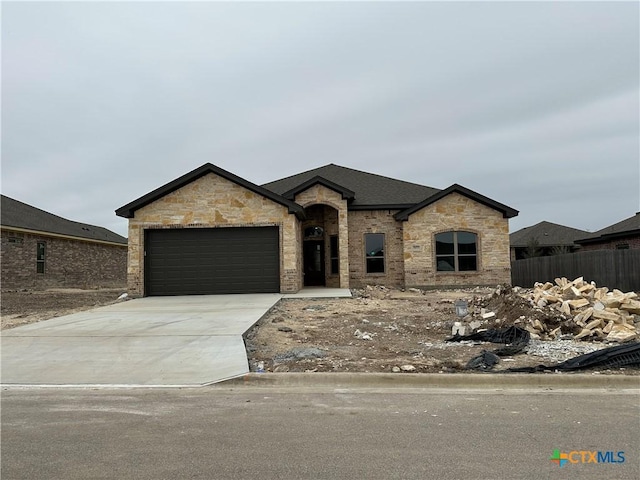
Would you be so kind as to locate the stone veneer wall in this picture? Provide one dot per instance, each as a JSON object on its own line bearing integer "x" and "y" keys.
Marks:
{"x": 375, "y": 221}
{"x": 212, "y": 201}
{"x": 319, "y": 194}
{"x": 69, "y": 263}
{"x": 456, "y": 212}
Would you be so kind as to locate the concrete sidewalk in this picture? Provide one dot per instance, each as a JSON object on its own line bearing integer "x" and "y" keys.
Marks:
{"x": 190, "y": 340}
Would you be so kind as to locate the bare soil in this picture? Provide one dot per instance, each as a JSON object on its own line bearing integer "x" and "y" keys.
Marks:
{"x": 24, "y": 307}
{"x": 383, "y": 330}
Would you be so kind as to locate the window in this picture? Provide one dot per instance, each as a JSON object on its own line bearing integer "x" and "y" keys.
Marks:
{"x": 622, "y": 246}
{"x": 16, "y": 240}
{"x": 40, "y": 257}
{"x": 374, "y": 248}
{"x": 313, "y": 232}
{"x": 334, "y": 255}
{"x": 456, "y": 252}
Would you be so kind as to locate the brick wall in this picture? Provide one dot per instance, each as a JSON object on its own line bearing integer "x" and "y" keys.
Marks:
{"x": 632, "y": 240}
{"x": 456, "y": 212}
{"x": 68, "y": 263}
{"x": 375, "y": 221}
{"x": 212, "y": 201}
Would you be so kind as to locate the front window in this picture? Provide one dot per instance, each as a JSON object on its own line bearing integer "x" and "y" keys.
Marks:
{"x": 40, "y": 254}
{"x": 374, "y": 248}
{"x": 456, "y": 252}
{"x": 335, "y": 257}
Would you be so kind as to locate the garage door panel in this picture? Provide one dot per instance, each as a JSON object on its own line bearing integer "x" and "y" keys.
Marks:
{"x": 210, "y": 261}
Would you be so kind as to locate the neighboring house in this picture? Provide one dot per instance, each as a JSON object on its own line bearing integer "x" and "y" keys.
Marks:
{"x": 545, "y": 237}
{"x": 210, "y": 231}
{"x": 622, "y": 235}
{"x": 41, "y": 250}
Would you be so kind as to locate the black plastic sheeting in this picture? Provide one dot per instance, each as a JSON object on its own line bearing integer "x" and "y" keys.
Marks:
{"x": 516, "y": 339}
{"x": 625, "y": 355}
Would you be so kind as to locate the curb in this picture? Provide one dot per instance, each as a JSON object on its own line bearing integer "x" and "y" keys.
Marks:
{"x": 435, "y": 380}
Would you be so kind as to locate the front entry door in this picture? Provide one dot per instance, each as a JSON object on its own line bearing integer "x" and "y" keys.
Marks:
{"x": 314, "y": 263}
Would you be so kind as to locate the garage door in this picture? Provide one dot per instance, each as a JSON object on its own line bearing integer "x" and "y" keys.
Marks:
{"x": 202, "y": 261}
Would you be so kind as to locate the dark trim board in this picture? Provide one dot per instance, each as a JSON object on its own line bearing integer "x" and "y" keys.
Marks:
{"x": 128, "y": 210}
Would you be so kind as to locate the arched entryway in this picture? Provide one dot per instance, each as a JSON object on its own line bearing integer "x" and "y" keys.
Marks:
{"x": 320, "y": 238}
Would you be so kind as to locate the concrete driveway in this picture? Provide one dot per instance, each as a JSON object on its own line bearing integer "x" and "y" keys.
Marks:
{"x": 190, "y": 340}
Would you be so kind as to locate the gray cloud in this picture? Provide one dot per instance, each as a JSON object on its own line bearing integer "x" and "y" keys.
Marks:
{"x": 534, "y": 104}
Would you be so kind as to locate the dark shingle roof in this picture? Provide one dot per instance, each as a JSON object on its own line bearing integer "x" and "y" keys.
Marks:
{"x": 369, "y": 189}
{"x": 628, "y": 226}
{"x": 20, "y": 215}
{"x": 548, "y": 235}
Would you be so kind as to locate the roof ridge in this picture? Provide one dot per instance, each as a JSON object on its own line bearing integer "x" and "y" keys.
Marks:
{"x": 547, "y": 222}
{"x": 353, "y": 170}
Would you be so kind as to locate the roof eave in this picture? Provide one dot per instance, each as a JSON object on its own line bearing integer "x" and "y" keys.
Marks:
{"x": 128, "y": 210}
{"x": 608, "y": 236}
{"x": 318, "y": 180}
{"x": 507, "y": 212}
{"x": 383, "y": 206}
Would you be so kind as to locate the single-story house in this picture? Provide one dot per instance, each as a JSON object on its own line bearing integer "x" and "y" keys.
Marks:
{"x": 621, "y": 236}
{"x": 41, "y": 250}
{"x": 210, "y": 231}
{"x": 545, "y": 237}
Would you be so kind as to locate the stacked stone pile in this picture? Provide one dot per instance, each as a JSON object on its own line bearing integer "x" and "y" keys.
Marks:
{"x": 601, "y": 314}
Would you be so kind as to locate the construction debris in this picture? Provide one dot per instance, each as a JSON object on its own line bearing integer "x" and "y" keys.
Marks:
{"x": 620, "y": 356}
{"x": 599, "y": 313}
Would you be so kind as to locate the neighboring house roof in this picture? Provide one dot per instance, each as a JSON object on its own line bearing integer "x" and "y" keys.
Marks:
{"x": 19, "y": 215}
{"x": 127, "y": 211}
{"x": 624, "y": 228}
{"x": 547, "y": 234}
{"x": 507, "y": 212}
{"x": 369, "y": 190}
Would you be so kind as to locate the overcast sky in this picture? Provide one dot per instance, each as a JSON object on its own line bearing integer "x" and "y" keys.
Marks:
{"x": 535, "y": 105}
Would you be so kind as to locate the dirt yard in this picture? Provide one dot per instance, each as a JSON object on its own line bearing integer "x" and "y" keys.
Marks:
{"x": 387, "y": 330}
{"x": 23, "y": 307}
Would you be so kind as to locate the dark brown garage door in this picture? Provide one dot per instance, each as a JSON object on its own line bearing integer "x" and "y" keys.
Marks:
{"x": 202, "y": 261}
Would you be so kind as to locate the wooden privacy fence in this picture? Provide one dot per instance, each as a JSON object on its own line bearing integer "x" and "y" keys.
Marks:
{"x": 608, "y": 268}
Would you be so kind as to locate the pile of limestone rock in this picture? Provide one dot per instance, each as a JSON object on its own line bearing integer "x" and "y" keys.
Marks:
{"x": 601, "y": 314}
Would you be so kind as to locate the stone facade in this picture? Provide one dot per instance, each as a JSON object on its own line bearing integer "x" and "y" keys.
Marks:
{"x": 215, "y": 200}
{"x": 456, "y": 212}
{"x": 362, "y": 222}
{"x": 212, "y": 201}
{"x": 69, "y": 262}
{"x": 335, "y": 221}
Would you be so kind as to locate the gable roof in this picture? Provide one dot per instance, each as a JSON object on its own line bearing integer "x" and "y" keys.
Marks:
{"x": 507, "y": 212}
{"x": 19, "y": 215}
{"x": 626, "y": 227}
{"x": 368, "y": 189}
{"x": 317, "y": 180}
{"x": 547, "y": 234}
{"x": 128, "y": 210}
